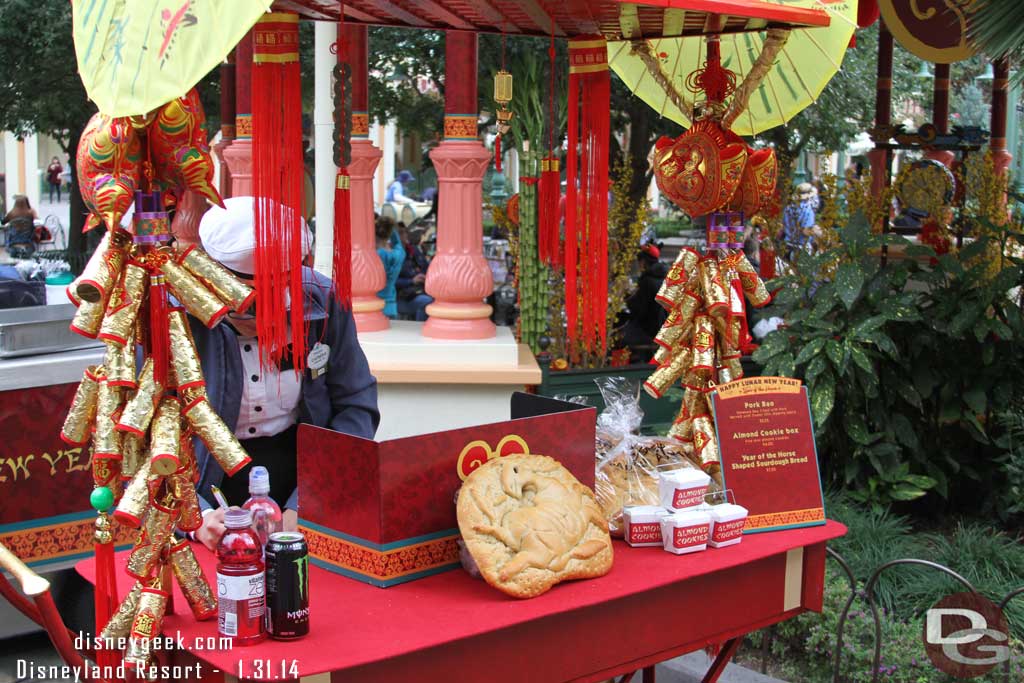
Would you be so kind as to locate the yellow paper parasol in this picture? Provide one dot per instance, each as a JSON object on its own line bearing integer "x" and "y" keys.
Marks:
{"x": 135, "y": 56}
{"x": 796, "y": 66}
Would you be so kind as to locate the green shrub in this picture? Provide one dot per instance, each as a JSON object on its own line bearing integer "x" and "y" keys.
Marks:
{"x": 669, "y": 227}
{"x": 905, "y": 365}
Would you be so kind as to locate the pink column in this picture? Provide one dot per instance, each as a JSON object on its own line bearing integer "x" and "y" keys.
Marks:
{"x": 367, "y": 269}
{"x": 459, "y": 278}
{"x": 238, "y": 155}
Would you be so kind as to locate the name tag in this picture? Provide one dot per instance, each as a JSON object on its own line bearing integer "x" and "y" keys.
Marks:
{"x": 317, "y": 359}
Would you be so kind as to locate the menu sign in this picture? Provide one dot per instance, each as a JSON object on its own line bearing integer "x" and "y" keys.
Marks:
{"x": 769, "y": 459}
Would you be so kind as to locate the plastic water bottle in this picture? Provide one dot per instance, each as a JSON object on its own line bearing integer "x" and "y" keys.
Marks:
{"x": 241, "y": 588}
{"x": 266, "y": 514}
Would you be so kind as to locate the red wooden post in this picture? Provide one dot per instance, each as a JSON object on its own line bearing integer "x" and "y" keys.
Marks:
{"x": 238, "y": 155}
{"x": 227, "y": 121}
{"x": 1000, "y": 156}
{"x": 883, "y": 108}
{"x": 459, "y": 278}
{"x": 940, "y": 112}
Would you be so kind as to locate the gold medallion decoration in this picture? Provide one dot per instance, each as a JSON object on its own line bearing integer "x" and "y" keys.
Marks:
{"x": 701, "y": 169}
{"x": 934, "y": 30}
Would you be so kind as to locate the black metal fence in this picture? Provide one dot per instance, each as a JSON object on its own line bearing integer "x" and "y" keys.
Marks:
{"x": 867, "y": 594}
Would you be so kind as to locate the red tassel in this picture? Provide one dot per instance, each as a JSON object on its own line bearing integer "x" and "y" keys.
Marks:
{"x": 159, "y": 333}
{"x": 548, "y": 228}
{"x": 587, "y": 194}
{"x": 571, "y": 215}
{"x": 105, "y": 597}
{"x": 342, "y": 266}
{"x": 599, "y": 93}
{"x": 278, "y": 171}
{"x": 497, "y": 153}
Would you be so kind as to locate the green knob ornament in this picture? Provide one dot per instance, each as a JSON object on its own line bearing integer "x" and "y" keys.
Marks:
{"x": 101, "y": 498}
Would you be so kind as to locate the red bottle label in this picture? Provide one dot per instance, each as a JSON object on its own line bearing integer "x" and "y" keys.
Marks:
{"x": 727, "y": 531}
{"x": 241, "y": 605}
{"x": 684, "y": 498}
{"x": 688, "y": 536}
{"x": 644, "y": 532}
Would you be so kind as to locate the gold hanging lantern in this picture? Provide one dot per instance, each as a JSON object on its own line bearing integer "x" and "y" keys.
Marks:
{"x": 503, "y": 96}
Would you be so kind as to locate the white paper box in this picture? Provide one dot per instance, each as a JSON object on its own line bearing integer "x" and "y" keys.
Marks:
{"x": 682, "y": 489}
{"x": 727, "y": 522}
{"x": 643, "y": 524}
{"x": 686, "y": 532}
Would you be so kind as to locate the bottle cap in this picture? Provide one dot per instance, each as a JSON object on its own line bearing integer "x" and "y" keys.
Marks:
{"x": 237, "y": 518}
{"x": 259, "y": 480}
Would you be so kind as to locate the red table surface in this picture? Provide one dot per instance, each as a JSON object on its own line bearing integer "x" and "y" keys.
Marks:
{"x": 355, "y": 626}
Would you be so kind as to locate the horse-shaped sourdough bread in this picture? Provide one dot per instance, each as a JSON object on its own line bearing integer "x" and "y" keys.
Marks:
{"x": 530, "y": 524}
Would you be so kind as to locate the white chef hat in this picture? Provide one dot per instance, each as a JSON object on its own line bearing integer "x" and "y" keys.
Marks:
{"x": 229, "y": 234}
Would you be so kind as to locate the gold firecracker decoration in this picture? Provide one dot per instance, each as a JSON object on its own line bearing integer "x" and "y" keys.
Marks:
{"x": 139, "y": 421}
{"x": 701, "y": 339}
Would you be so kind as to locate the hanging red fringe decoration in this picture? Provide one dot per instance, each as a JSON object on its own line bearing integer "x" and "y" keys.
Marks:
{"x": 105, "y": 594}
{"x": 342, "y": 266}
{"x": 586, "y": 231}
{"x": 277, "y": 182}
{"x": 548, "y": 229}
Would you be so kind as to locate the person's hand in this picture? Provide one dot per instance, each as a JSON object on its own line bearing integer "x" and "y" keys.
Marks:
{"x": 213, "y": 528}
{"x": 290, "y": 520}
{"x": 419, "y": 279}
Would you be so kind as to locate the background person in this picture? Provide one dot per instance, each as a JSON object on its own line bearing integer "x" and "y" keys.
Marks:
{"x": 392, "y": 255}
{"x": 53, "y": 177}
{"x": 21, "y": 227}
{"x": 799, "y": 221}
{"x": 396, "y": 190}
{"x": 412, "y": 299}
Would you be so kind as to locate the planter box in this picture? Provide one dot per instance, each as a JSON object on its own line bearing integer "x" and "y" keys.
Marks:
{"x": 658, "y": 413}
{"x": 384, "y": 512}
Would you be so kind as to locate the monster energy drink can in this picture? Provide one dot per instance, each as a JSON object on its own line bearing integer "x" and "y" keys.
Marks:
{"x": 287, "y": 559}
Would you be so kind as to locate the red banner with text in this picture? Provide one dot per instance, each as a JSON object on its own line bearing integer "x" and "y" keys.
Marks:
{"x": 769, "y": 459}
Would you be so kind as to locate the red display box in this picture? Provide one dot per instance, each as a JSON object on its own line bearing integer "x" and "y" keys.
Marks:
{"x": 384, "y": 512}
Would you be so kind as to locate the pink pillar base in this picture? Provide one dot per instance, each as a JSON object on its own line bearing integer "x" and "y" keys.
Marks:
{"x": 224, "y": 186}
{"x": 367, "y": 271}
{"x": 459, "y": 278}
{"x": 1001, "y": 159}
{"x": 238, "y": 157}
